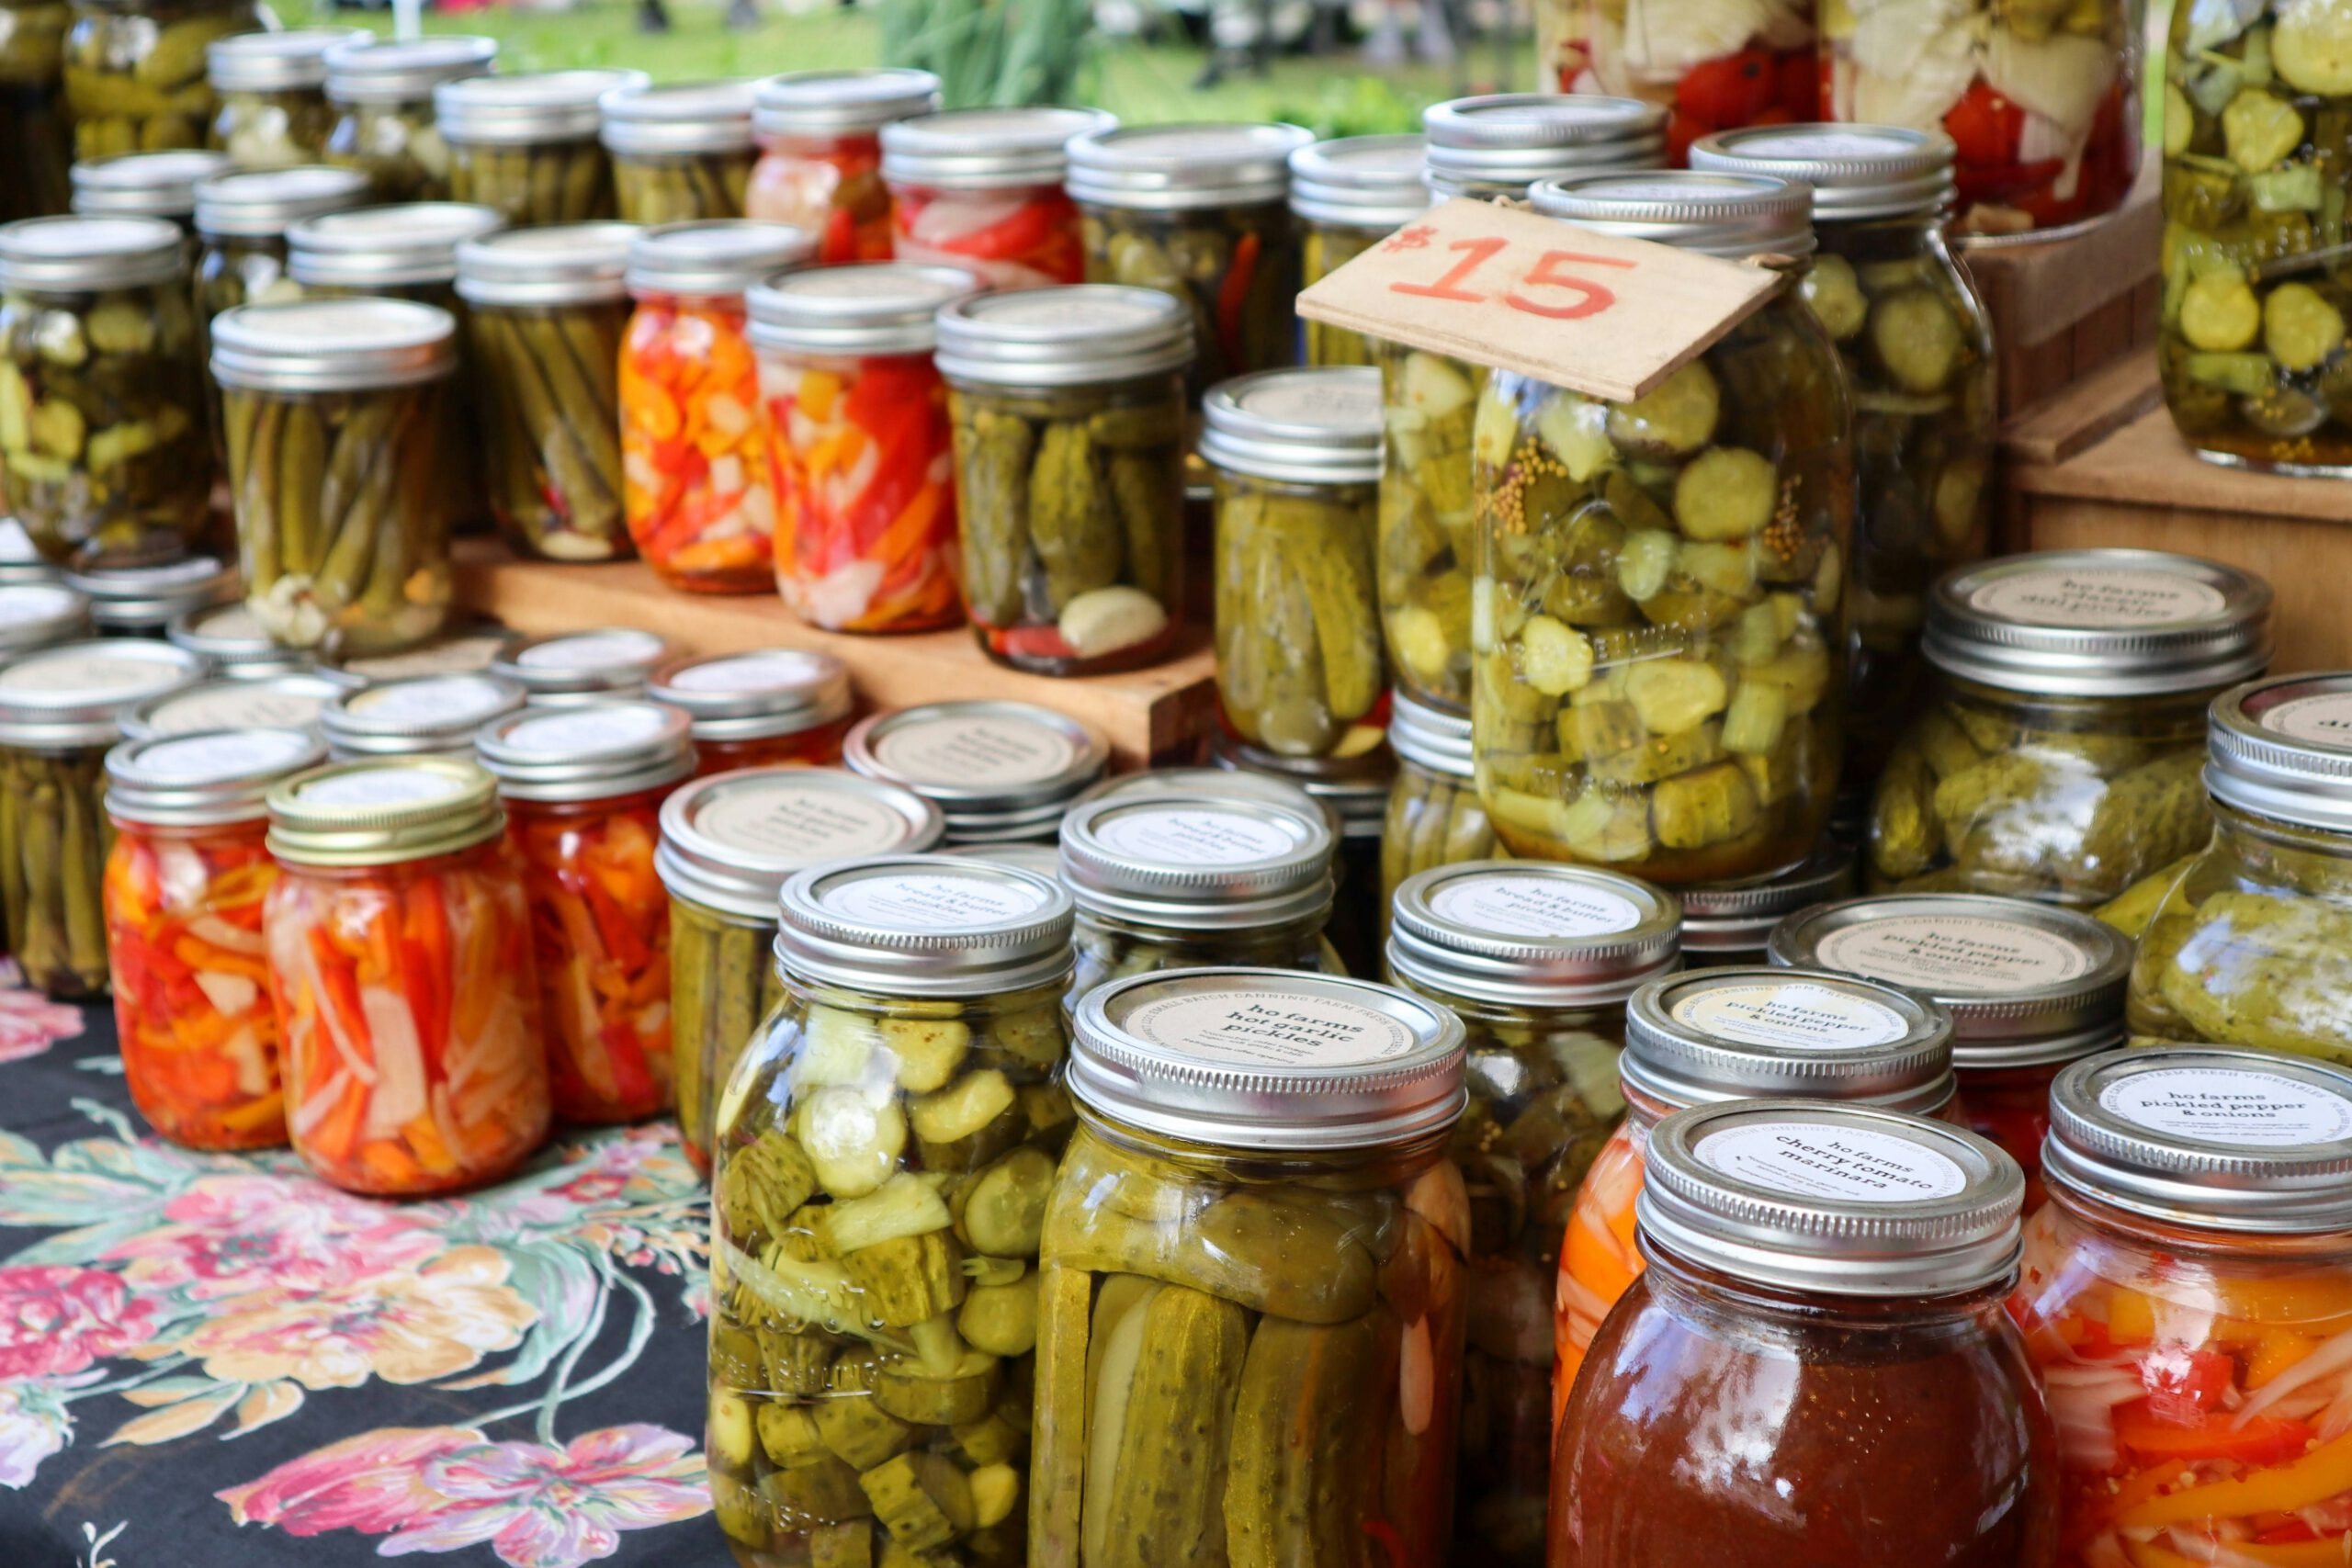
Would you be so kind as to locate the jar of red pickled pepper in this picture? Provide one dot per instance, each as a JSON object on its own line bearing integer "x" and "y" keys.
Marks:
{"x": 408, "y": 1003}
{"x": 185, "y": 884}
{"x": 583, "y": 788}
{"x": 982, "y": 188}
{"x": 694, "y": 458}
{"x": 766, "y": 707}
{"x": 861, "y": 451}
{"x": 600, "y": 664}
{"x": 819, "y": 134}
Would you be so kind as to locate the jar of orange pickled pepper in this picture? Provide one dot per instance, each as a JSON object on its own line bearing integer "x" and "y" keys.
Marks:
{"x": 762, "y": 708}
{"x": 819, "y": 134}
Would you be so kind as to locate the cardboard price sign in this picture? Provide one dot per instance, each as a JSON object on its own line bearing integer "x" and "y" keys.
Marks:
{"x": 1608, "y": 317}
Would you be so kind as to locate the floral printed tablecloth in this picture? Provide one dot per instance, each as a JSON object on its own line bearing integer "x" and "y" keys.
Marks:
{"x": 214, "y": 1360}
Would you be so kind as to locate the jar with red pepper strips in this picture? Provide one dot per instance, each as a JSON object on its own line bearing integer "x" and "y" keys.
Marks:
{"x": 292, "y": 699}
{"x": 819, "y": 134}
{"x": 860, "y": 449}
{"x": 982, "y": 189}
{"x": 401, "y": 970}
{"x": 682, "y": 150}
{"x": 183, "y": 888}
{"x": 999, "y": 772}
{"x": 1348, "y": 196}
{"x": 1712, "y": 66}
{"x": 694, "y": 456}
{"x": 416, "y": 715}
{"x": 583, "y": 788}
{"x": 766, "y": 707}
{"x": 598, "y": 664}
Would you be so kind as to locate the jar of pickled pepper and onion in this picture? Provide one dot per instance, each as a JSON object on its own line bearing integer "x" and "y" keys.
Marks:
{"x": 593, "y": 664}
{"x": 981, "y": 189}
{"x": 761, "y": 708}
{"x": 819, "y": 135}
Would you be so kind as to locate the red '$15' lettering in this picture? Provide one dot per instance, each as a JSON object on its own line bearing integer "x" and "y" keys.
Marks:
{"x": 1549, "y": 272}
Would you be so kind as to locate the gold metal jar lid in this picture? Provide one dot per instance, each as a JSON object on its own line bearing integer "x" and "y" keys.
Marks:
{"x": 383, "y": 811}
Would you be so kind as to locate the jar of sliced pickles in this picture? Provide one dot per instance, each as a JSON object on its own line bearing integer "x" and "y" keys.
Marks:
{"x": 416, "y": 715}
{"x": 464, "y": 646}
{"x": 1070, "y": 434}
{"x": 527, "y": 146}
{"x": 144, "y": 601}
{"x": 2060, "y": 756}
{"x": 1265, "y": 1266}
{"x": 1434, "y": 818}
{"x": 1348, "y": 196}
{"x": 183, "y": 888}
{"x": 292, "y": 699}
{"x": 1732, "y": 922}
{"x": 135, "y": 71}
{"x": 682, "y": 152}
{"x": 273, "y": 111}
{"x": 599, "y": 664}
{"x": 148, "y": 185}
{"x": 819, "y": 134}
{"x": 730, "y": 842}
{"x": 767, "y": 707}
{"x": 999, "y": 771}
{"x": 382, "y": 96}
{"x": 981, "y": 189}
{"x": 1705, "y": 71}
{"x": 1353, "y": 788}
{"x": 33, "y": 121}
{"x": 1660, "y": 651}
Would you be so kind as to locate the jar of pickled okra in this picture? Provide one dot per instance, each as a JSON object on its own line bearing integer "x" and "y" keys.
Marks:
{"x": 2061, "y": 755}
{"x": 1070, "y": 434}
{"x": 1434, "y": 818}
{"x": 61, "y": 710}
{"x": 527, "y": 146}
{"x": 999, "y": 771}
{"x": 416, "y": 715}
{"x": 183, "y": 888}
{"x": 1537, "y": 962}
{"x": 1256, "y": 1246}
{"x": 272, "y": 86}
{"x": 1732, "y": 922}
{"x": 601, "y": 664}
{"x": 981, "y": 188}
{"x": 144, "y": 601}
{"x": 695, "y": 458}
{"x": 730, "y": 842}
{"x": 545, "y": 312}
{"x": 682, "y": 150}
{"x": 338, "y": 432}
{"x": 463, "y": 646}
{"x": 819, "y": 134}
{"x": 401, "y": 903}
{"x": 1353, "y": 790}
{"x": 135, "y": 71}
{"x": 763, "y": 708}
{"x": 101, "y": 389}
{"x": 148, "y": 185}
{"x": 33, "y": 117}
{"x": 291, "y": 699}
{"x": 383, "y": 96}
{"x": 233, "y": 644}
{"x": 1347, "y": 195}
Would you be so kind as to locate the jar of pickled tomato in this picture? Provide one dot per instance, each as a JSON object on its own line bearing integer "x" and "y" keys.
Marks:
{"x": 981, "y": 189}
{"x": 998, "y": 773}
{"x": 1353, "y": 788}
{"x": 819, "y": 134}
{"x": 415, "y": 716}
{"x": 1732, "y": 922}
{"x": 144, "y": 601}
{"x": 766, "y": 707}
{"x": 597, "y": 664}
{"x": 1348, "y": 195}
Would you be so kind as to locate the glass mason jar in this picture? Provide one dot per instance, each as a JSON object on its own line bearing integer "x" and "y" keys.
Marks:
{"x": 546, "y": 309}
{"x": 729, "y": 844}
{"x": 337, "y": 429}
{"x": 2062, "y": 755}
{"x": 144, "y": 601}
{"x": 235, "y": 648}
{"x": 1537, "y": 962}
{"x": 1348, "y": 196}
{"x": 583, "y": 788}
{"x": 982, "y": 189}
{"x": 272, "y": 86}
{"x": 764, "y": 709}
{"x": 183, "y": 887}
{"x": 415, "y": 716}
{"x": 682, "y": 150}
{"x": 1705, "y": 71}
{"x": 36, "y": 614}
{"x": 1494, "y": 148}
{"x": 464, "y": 647}
{"x": 861, "y": 451}
{"x": 1353, "y": 792}
{"x": 1828, "y": 1284}
{"x": 292, "y": 700}
{"x": 999, "y": 771}
{"x": 526, "y": 145}
{"x": 135, "y": 71}
{"x": 1732, "y": 922}
{"x": 382, "y": 93}
{"x": 819, "y": 134}
{"x": 693, "y": 455}
{"x": 1434, "y": 818}
{"x": 148, "y": 185}
{"x": 598, "y": 664}
{"x": 1071, "y": 436}
{"x": 20, "y": 562}
{"x": 1296, "y": 458}
{"x": 61, "y": 710}
{"x": 101, "y": 389}
{"x": 872, "y": 1353}
{"x": 1269, "y": 1270}
{"x": 400, "y": 905}
{"x": 1660, "y": 646}
{"x": 2187, "y": 1292}
{"x": 33, "y": 120}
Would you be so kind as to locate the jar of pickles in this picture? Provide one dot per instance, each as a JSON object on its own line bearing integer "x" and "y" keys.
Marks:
{"x": 1502, "y": 144}
{"x": 1295, "y": 457}
{"x": 183, "y": 888}
{"x": 463, "y": 646}
{"x": 694, "y": 457}
{"x": 861, "y": 448}
{"x": 1262, "y": 1265}
{"x": 135, "y": 71}
{"x": 600, "y": 664}
{"x": 682, "y": 150}
{"x": 1732, "y": 922}
{"x": 767, "y": 707}
{"x": 61, "y": 710}
{"x": 144, "y": 601}
{"x": 272, "y": 86}
{"x": 1070, "y": 434}
{"x": 1348, "y": 196}
{"x": 1434, "y": 818}
{"x": 383, "y": 96}
{"x": 729, "y": 844}
{"x": 33, "y": 117}
{"x": 415, "y": 716}
{"x": 981, "y": 189}
{"x": 292, "y": 699}
{"x": 1353, "y": 788}
{"x": 407, "y": 252}
{"x": 526, "y": 145}
{"x": 1537, "y": 962}
{"x": 998, "y": 773}
{"x": 819, "y": 134}
{"x": 147, "y": 185}
{"x": 2062, "y": 755}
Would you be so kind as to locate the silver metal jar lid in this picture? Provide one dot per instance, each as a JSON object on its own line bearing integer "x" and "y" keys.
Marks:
{"x": 561, "y": 263}
{"x": 2026, "y": 985}
{"x": 2282, "y": 748}
{"x": 294, "y": 700}
{"x": 232, "y": 640}
{"x": 985, "y": 149}
{"x": 145, "y": 600}
{"x": 1267, "y": 1059}
{"x": 356, "y": 344}
{"x": 382, "y": 811}
{"x": 756, "y": 695}
{"x": 205, "y": 777}
{"x": 997, "y": 770}
{"x": 34, "y": 615}
{"x": 1197, "y": 862}
{"x": 386, "y": 247}
{"x": 714, "y": 256}
{"x": 1713, "y": 214}
{"x": 677, "y": 118}
{"x": 258, "y": 204}
{"x": 2241, "y": 1142}
{"x": 76, "y": 254}
{"x": 74, "y": 694}
{"x": 21, "y": 560}
{"x": 841, "y": 102}
{"x": 1353, "y": 789}
{"x": 1078, "y": 334}
{"x": 1219, "y": 782}
{"x": 1738, "y": 917}
{"x": 592, "y": 752}
{"x": 418, "y": 716}
{"x": 1039, "y": 860}
{"x": 1746, "y": 1032}
{"x": 1309, "y": 426}
{"x": 731, "y": 842}
{"x": 1530, "y": 933}
{"x": 460, "y": 649}
{"x": 594, "y": 663}
{"x": 2115, "y": 623}
{"x": 284, "y": 61}
{"x": 879, "y": 308}
{"x": 1430, "y": 738}
{"x": 519, "y": 111}
{"x": 923, "y": 926}
{"x": 1855, "y": 171}
{"x": 1167, "y": 168}
{"x": 1501, "y": 143}
{"x": 1359, "y": 182}
{"x": 146, "y": 185}
{"x": 397, "y": 71}
{"x": 1839, "y": 1200}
